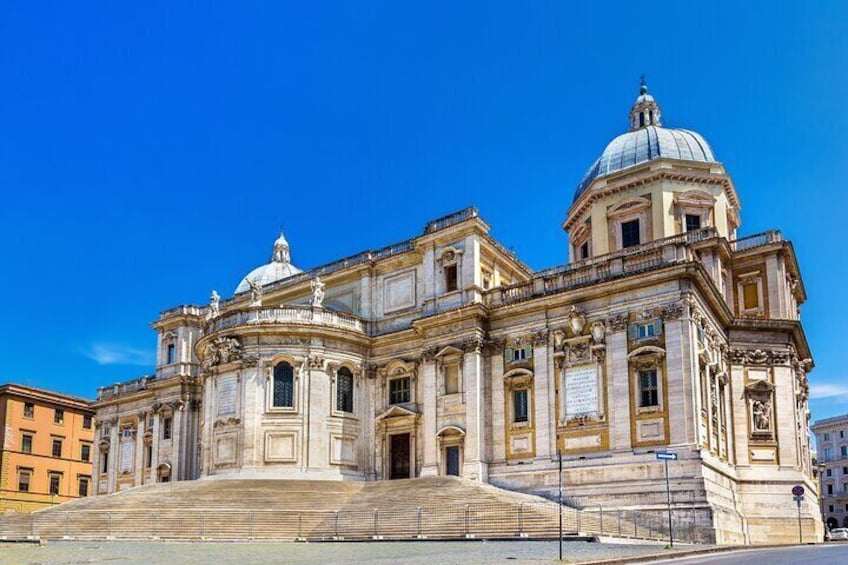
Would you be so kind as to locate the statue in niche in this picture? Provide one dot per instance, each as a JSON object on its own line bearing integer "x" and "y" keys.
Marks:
{"x": 762, "y": 420}
{"x": 255, "y": 292}
{"x": 317, "y": 292}
{"x": 214, "y": 305}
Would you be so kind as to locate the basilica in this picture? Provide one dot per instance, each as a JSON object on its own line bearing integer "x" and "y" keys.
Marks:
{"x": 446, "y": 355}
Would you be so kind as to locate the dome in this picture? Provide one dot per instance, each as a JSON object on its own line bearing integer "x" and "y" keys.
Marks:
{"x": 647, "y": 140}
{"x": 279, "y": 268}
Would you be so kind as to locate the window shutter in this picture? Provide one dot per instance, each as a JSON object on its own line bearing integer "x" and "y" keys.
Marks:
{"x": 658, "y": 326}
{"x": 508, "y": 355}
{"x": 633, "y": 331}
{"x": 528, "y": 351}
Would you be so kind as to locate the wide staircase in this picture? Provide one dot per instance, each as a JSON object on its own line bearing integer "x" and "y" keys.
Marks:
{"x": 430, "y": 508}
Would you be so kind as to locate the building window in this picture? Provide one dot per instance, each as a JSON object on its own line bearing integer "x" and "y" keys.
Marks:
{"x": 54, "y": 483}
{"x": 399, "y": 390}
{"x": 86, "y": 421}
{"x": 828, "y": 454}
{"x": 826, "y": 437}
{"x": 24, "y": 477}
{"x": 26, "y": 443}
{"x": 166, "y": 427}
{"x": 828, "y": 472}
{"x": 584, "y": 250}
{"x": 104, "y": 462}
{"x": 283, "y": 394}
{"x": 172, "y": 354}
{"x": 693, "y": 222}
{"x": 519, "y": 354}
{"x": 344, "y": 390}
{"x": 648, "y": 392}
{"x": 646, "y": 330}
{"x": 843, "y": 451}
{"x": 830, "y": 507}
{"x": 750, "y": 296}
{"x": 85, "y": 452}
{"x": 148, "y": 455}
{"x": 630, "y": 233}
{"x": 841, "y": 433}
{"x": 57, "y": 448}
{"x": 451, "y": 378}
{"x": 830, "y": 491}
{"x": 83, "y": 486}
{"x": 29, "y": 410}
{"x": 451, "y": 280}
{"x": 845, "y": 470}
{"x": 58, "y": 416}
{"x": 520, "y": 412}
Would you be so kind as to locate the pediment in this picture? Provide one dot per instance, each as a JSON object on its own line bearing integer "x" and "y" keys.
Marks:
{"x": 759, "y": 386}
{"x": 396, "y": 411}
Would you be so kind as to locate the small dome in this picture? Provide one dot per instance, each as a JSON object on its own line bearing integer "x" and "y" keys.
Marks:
{"x": 647, "y": 140}
{"x": 279, "y": 268}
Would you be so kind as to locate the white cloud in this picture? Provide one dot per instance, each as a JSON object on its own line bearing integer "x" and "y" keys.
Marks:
{"x": 828, "y": 391}
{"x": 117, "y": 354}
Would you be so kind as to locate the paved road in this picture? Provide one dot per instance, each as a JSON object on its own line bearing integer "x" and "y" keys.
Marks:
{"x": 827, "y": 554}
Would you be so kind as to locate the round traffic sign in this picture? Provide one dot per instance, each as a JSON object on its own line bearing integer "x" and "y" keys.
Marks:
{"x": 798, "y": 490}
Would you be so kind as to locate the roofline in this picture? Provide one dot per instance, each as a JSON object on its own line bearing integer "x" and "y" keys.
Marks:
{"x": 46, "y": 395}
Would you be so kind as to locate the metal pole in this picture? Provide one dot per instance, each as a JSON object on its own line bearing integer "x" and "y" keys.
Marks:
{"x": 800, "y": 532}
{"x": 668, "y": 501}
{"x": 559, "y": 456}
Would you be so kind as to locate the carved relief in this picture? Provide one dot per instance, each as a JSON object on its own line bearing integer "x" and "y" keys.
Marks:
{"x": 220, "y": 351}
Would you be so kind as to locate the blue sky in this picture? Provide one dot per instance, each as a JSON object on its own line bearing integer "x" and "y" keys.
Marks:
{"x": 151, "y": 152}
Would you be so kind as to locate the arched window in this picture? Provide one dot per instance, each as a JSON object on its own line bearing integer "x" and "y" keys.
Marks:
{"x": 283, "y": 386}
{"x": 344, "y": 390}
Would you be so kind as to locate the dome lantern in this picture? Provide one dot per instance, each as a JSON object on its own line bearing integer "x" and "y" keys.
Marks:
{"x": 645, "y": 111}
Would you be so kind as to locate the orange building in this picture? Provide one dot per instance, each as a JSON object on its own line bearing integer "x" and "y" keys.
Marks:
{"x": 47, "y": 442}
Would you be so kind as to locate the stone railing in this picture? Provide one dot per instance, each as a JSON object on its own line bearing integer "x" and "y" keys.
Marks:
{"x": 451, "y": 219}
{"x": 771, "y": 236}
{"x": 653, "y": 255}
{"x": 286, "y": 315}
{"x": 124, "y": 387}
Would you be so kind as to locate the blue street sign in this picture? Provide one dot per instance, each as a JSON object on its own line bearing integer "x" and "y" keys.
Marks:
{"x": 666, "y": 456}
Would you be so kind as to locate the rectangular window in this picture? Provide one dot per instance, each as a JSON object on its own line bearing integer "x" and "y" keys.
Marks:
{"x": 29, "y": 410}
{"x": 85, "y": 452}
{"x": 519, "y": 405}
{"x": 630, "y": 233}
{"x": 451, "y": 282}
{"x": 648, "y": 392}
{"x": 830, "y": 507}
{"x": 845, "y": 470}
{"x": 750, "y": 296}
{"x": 451, "y": 379}
{"x": 399, "y": 390}
{"x": 172, "y": 354}
{"x": 24, "y": 477}
{"x": 104, "y": 462}
{"x": 148, "y": 455}
{"x": 519, "y": 354}
{"x": 58, "y": 416}
{"x": 646, "y": 331}
{"x": 826, "y": 437}
{"x": 344, "y": 391}
{"x": 828, "y": 454}
{"x": 843, "y": 451}
{"x": 166, "y": 428}
{"x": 828, "y": 472}
{"x": 57, "y": 448}
{"x": 584, "y": 250}
{"x": 693, "y": 222}
{"x": 54, "y": 483}
{"x": 830, "y": 491}
{"x": 86, "y": 421}
{"x": 841, "y": 433}
{"x": 283, "y": 393}
{"x": 26, "y": 443}
{"x": 83, "y": 486}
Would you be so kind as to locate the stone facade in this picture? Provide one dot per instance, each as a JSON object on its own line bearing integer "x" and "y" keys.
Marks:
{"x": 445, "y": 354}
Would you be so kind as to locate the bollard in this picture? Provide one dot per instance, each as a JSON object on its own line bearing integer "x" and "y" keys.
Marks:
{"x": 521, "y": 519}
{"x": 420, "y": 510}
{"x": 376, "y": 523}
{"x": 67, "y": 515}
{"x": 635, "y": 523}
{"x": 619, "y": 522}
{"x": 601, "y": 518}
{"x": 466, "y": 521}
{"x": 336, "y": 524}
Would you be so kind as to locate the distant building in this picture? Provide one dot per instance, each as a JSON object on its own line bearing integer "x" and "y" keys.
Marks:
{"x": 446, "y": 355}
{"x": 832, "y": 450}
{"x": 47, "y": 448}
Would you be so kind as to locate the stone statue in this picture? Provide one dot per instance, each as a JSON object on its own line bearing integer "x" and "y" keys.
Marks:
{"x": 762, "y": 420}
{"x": 255, "y": 292}
{"x": 317, "y": 292}
{"x": 214, "y": 305}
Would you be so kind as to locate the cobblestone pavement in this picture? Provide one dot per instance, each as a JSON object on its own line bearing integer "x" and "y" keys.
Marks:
{"x": 416, "y": 553}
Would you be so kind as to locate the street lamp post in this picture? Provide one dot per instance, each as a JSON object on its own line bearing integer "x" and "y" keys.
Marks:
{"x": 559, "y": 456}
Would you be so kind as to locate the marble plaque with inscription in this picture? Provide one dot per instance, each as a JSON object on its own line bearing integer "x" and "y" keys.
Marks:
{"x": 226, "y": 396}
{"x": 581, "y": 390}
{"x": 127, "y": 452}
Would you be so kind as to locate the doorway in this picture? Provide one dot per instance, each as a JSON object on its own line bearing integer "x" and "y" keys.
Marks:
{"x": 399, "y": 456}
{"x": 452, "y": 460}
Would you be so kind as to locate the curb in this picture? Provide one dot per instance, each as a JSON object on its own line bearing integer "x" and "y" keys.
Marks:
{"x": 692, "y": 553}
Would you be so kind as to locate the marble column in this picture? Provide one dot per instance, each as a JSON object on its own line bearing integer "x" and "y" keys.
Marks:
{"x": 429, "y": 388}
{"x": 543, "y": 384}
{"x": 96, "y": 464}
{"x": 619, "y": 391}
{"x": 475, "y": 465}
{"x": 114, "y": 456}
{"x": 154, "y": 463}
{"x": 139, "y": 449}
{"x": 176, "y": 442}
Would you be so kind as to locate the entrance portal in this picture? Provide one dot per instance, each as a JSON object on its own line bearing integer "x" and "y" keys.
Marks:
{"x": 399, "y": 456}
{"x": 452, "y": 460}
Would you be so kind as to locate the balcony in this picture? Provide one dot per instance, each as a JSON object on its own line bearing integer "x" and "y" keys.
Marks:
{"x": 126, "y": 387}
{"x": 298, "y": 315}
